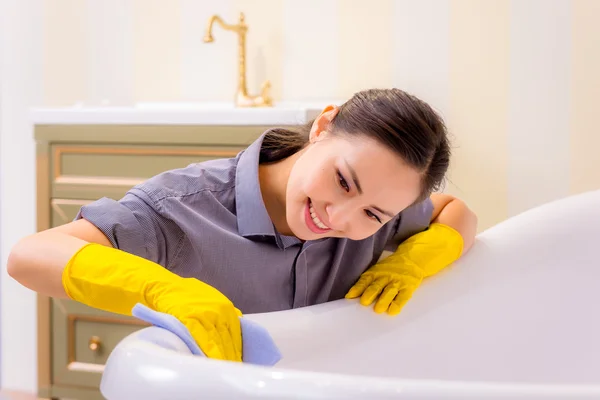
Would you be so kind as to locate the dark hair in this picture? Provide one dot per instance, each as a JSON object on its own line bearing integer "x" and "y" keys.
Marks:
{"x": 398, "y": 120}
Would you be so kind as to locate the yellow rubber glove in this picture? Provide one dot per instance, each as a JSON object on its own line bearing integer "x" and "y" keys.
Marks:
{"x": 113, "y": 280}
{"x": 399, "y": 275}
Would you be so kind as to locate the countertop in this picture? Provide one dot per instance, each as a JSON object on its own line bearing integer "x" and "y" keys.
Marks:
{"x": 282, "y": 113}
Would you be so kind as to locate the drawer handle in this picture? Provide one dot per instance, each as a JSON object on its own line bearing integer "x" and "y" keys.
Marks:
{"x": 94, "y": 343}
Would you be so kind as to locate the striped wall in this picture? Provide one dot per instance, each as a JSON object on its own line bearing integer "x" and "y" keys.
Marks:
{"x": 516, "y": 80}
{"x": 477, "y": 116}
{"x": 584, "y": 93}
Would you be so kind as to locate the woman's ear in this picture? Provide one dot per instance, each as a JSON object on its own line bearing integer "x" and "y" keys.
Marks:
{"x": 322, "y": 122}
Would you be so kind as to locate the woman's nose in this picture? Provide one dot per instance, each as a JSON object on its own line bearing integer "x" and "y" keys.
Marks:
{"x": 338, "y": 217}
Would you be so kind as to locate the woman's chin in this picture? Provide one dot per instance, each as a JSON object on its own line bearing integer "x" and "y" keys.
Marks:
{"x": 303, "y": 233}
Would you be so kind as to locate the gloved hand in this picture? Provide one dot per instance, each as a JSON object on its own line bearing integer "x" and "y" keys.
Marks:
{"x": 113, "y": 280}
{"x": 399, "y": 275}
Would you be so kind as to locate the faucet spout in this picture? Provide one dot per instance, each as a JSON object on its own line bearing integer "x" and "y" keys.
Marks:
{"x": 240, "y": 28}
{"x": 242, "y": 98}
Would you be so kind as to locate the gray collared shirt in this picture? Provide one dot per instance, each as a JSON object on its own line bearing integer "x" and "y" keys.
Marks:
{"x": 208, "y": 221}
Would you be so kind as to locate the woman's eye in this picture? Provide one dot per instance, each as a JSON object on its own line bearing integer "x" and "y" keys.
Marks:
{"x": 343, "y": 182}
{"x": 371, "y": 215}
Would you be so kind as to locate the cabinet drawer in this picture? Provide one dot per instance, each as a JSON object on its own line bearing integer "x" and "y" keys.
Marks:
{"x": 64, "y": 211}
{"x": 82, "y": 340}
{"x": 93, "y": 171}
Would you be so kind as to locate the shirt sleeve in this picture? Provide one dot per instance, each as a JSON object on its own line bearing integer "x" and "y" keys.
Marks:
{"x": 411, "y": 221}
{"x": 136, "y": 225}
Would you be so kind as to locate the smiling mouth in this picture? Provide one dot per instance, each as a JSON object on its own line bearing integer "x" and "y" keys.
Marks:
{"x": 313, "y": 221}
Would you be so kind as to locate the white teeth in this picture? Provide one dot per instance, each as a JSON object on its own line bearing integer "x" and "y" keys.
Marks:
{"x": 316, "y": 219}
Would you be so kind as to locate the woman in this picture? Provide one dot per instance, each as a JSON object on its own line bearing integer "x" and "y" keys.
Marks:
{"x": 298, "y": 218}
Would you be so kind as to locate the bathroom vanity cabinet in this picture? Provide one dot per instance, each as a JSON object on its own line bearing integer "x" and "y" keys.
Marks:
{"x": 83, "y": 155}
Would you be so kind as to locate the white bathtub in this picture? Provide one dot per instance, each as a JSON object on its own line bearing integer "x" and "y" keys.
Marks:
{"x": 516, "y": 318}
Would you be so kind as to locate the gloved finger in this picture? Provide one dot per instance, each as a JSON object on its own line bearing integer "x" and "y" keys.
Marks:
{"x": 386, "y": 298}
{"x": 399, "y": 302}
{"x": 359, "y": 287}
{"x": 225, "y": 338}
{"x": 235, "y": 329}
{"x": 219, "y": 343}
{"x": 207, "y": 338}
{"x": 228, "y": 342}
{"x": 373, "y": 290}
{"x": 215, "y": 344}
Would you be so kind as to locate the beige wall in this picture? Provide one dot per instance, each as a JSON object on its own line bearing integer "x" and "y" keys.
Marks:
{"x": 585, "y": 97}
{"x": 516, "y": 81}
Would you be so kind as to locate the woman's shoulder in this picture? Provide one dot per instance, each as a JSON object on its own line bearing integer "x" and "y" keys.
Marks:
{"x": 209, "y": 176}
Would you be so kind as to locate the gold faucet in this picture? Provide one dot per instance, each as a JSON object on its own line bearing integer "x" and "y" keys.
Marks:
{"x": 242, "y": 98}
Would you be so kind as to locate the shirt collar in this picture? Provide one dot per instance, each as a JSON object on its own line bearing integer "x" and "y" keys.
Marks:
{"x": 252, "y": 216}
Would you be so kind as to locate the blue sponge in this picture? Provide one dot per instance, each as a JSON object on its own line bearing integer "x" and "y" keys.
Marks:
{"x": 257, "y": 345}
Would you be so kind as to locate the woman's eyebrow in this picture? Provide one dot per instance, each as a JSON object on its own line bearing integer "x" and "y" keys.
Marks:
{"x": 355, "y": 180}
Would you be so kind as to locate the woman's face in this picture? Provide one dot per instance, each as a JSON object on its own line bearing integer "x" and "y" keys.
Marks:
{"x": 346, "y": 187}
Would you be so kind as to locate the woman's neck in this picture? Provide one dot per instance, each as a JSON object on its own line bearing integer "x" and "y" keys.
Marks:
{"x": 273, "y": 178}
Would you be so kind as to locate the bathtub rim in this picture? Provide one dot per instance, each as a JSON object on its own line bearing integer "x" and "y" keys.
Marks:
{"x": 254, "y": 381}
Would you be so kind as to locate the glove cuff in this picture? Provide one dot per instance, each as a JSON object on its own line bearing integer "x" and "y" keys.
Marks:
{"x": 433, "y": 249}
{"x": 113, "y": 280}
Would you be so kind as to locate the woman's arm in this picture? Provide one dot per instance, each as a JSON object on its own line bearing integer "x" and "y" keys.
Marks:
{"x": 37, "y": 261}
{"x": 76, "y": 261}
{"x": 451, "y": 211}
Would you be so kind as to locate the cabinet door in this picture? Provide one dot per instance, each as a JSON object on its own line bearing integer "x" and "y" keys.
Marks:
{"x": 82, "y": 340}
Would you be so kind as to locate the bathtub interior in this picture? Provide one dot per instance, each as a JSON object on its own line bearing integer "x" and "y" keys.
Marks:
{"x": 518, "y": 308}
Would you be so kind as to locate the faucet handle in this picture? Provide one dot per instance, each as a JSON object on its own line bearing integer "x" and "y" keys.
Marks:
{"x": 265, "y": 93}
